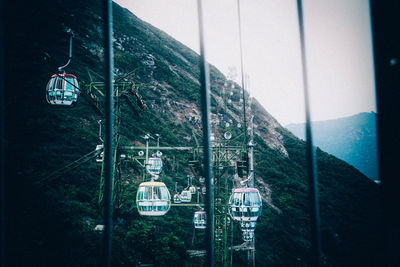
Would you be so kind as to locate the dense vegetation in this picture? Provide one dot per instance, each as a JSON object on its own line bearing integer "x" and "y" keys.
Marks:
{"x": 50, "y": 223}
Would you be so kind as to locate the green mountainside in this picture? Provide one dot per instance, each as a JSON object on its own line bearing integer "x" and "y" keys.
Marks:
{"x": 50, "y": 222}
{"x": 352, "y": 139}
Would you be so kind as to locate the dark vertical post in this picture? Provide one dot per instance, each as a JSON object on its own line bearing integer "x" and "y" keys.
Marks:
{"x": 205, "y": 110}
{"x": 2, "y": 141}
{"x": 70, "y": 46}
{"x": 242, "y": 72}
{"x": 311, "y": 160}
{"x": 109, "y": 133}
{"x": 386, "y": 44}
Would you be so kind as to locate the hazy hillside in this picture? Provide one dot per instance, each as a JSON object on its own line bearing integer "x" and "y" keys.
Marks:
{"x": 51, "y": 222}
{"x": 352, "y": 139}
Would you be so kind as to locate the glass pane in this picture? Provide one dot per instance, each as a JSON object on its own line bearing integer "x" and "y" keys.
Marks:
{"x": 69, "y": 84}
{"x": 59, "y": 83}
{"x": 164, "y": 193}
{"x": 147, "y": 192}
{"x": 246, "y": 199}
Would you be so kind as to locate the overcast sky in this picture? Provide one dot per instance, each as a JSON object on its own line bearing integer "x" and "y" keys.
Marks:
{"x": 338, "y": 42}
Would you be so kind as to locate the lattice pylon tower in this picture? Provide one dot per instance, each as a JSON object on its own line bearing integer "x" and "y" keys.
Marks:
{"x": 222, "y": 156}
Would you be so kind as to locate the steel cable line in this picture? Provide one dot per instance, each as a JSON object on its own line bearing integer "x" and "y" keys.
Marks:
{"x": 58, "y": 172}
{"x": 242, "y": 71}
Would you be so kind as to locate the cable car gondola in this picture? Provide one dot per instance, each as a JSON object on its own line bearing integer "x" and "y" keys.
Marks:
{"x": 177, "y": 199}
{"x": 186, "y": 196}
{"x": 203, "y": 190}
{"x": 99, "y": 156}
{"x": 177, "y": 196}
{"x": 245, "y": 204}
{"x": 200, "y": 219}
{"x": 153, "y": 199}
{"x": 154, "y": 166}
{"x": 62, "y": 89}
{"x": 192, "y": 189}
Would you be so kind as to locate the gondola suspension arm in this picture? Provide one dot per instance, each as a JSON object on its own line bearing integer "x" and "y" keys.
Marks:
{"x": 70, "y": 53}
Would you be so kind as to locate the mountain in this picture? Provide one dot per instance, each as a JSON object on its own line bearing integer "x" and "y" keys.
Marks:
{"x": 352, "y": 139}
{"x": 50, "y": 219}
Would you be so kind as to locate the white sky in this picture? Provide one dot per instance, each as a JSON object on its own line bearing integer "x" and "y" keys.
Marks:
{"x": 338, "y": 42}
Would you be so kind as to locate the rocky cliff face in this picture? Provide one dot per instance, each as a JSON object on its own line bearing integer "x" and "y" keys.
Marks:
{"x": 176, "y": 60}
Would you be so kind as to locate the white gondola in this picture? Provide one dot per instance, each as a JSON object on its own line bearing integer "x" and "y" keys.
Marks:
{"x": 99, "y": 156}
{"x": 192, "y": 189}
{"x": 200, "y": 219}
{"x": 154, "y": 166}
{"x": 99, "y": 228}
{"x": 204, "y": 190}
{"x": 153, "y": 199}
{"x": 62, "y": 89}
{"x": 247, "y": 235}
{"x": 227, "y": 135}
{"x": 245, "y": 204}
{"x": 177, "y": 199}
{"x": 186, "y": 196}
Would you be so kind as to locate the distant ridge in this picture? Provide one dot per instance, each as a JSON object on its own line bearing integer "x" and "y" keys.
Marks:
{"x": 352, "y": 139}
